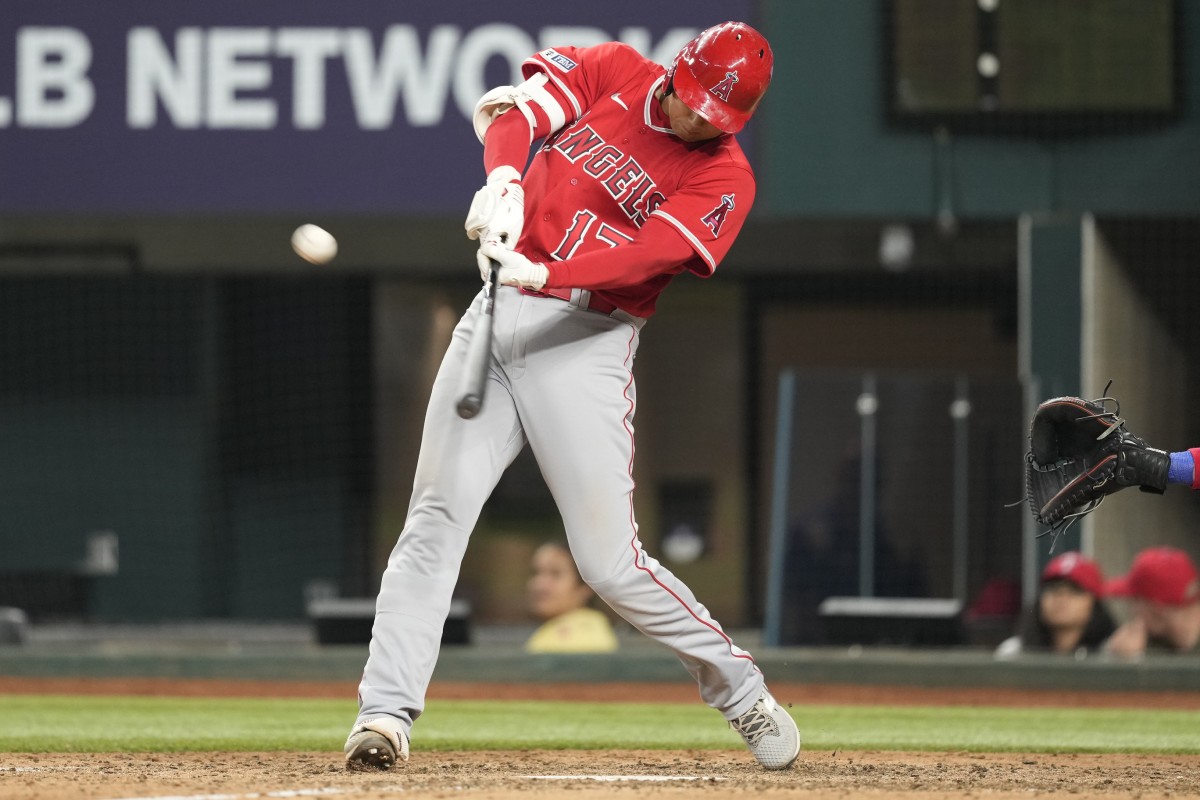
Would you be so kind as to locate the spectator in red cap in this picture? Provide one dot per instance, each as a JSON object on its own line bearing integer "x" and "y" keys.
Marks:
{"x": 1070, "y": 616}
{"x": 1165, "y": 590}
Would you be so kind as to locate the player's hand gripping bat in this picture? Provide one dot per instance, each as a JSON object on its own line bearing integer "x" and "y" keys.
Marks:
{"x": 475, "y": 369}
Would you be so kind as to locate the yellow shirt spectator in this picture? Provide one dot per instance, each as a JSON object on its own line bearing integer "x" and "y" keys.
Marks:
{"x": 559, "y": 597}
{"x": 584, "y": 630}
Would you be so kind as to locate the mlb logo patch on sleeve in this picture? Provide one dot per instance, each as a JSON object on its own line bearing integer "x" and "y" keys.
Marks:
{"x": 559, "y": 60}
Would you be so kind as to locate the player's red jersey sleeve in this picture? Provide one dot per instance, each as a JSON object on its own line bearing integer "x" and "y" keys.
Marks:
{"x": 709, "y": 210}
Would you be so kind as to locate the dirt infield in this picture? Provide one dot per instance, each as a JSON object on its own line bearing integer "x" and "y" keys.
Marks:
{"x": 598, "y": 776}
{"x": 601, "y": 775}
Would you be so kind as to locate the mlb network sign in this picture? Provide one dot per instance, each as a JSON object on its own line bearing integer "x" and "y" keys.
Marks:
{"x": 139, "y": 107}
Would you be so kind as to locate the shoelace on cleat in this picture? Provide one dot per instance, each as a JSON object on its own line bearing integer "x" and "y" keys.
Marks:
{"x": 755, "y": 724}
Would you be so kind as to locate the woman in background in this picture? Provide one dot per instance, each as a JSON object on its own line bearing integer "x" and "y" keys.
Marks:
{"x": 1070, "y": 616}
{"x": 560, "y": 598}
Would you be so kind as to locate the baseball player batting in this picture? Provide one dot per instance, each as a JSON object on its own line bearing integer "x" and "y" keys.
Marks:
{"x": 638, "y": 178}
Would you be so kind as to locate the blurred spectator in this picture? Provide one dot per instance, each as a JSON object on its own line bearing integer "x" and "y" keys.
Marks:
{"x": 990, "y": 617}
{"x": 1165, "y": 591}
{"x": 560, "y": 598}
{"x": 1070, "y": 616}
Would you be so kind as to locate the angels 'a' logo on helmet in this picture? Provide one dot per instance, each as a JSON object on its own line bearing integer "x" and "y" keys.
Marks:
{"x": 704, "y": 72}
{"x": 723, "y": 88}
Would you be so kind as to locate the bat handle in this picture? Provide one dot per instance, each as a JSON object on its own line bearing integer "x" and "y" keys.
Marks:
{"x": 475, "y": 366}
{"x": 489, "y": 287}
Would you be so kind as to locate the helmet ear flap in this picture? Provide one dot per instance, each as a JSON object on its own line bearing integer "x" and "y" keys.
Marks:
{"x": 669, "y": 78}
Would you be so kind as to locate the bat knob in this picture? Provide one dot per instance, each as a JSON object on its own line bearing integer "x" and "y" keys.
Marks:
{"x": 469, "y": 406}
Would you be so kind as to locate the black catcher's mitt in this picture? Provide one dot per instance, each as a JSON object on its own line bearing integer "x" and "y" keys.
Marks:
{"x": 1079, "y": 452}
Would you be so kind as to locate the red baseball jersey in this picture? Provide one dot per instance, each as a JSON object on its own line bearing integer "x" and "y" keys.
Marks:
{"x": 611, "y": 164}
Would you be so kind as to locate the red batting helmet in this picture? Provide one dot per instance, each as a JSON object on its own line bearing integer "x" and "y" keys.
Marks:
{"x": 723, "y": 73}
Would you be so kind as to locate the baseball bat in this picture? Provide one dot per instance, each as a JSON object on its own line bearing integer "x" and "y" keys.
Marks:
{"x": 475, "y": 368}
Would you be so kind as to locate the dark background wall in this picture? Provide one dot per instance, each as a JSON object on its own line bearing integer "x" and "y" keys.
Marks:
{"x": 246, "y": 424}
{"x": 832, "y": 150}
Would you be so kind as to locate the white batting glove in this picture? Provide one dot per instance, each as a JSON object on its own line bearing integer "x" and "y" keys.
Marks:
{"x": 515, "y": 269}
{"x": 498, "y": 209}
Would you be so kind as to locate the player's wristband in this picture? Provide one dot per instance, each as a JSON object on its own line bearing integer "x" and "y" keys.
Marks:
{"x": 1183, "y": 467}
{"x": 502, "y": 175}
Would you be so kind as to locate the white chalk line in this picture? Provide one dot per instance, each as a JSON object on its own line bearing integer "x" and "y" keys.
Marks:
{"x": 646, "y": 778}
{"x": 282, "y": 793}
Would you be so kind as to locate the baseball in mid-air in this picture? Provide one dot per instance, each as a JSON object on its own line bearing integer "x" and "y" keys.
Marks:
{"x": 314, "y": 244}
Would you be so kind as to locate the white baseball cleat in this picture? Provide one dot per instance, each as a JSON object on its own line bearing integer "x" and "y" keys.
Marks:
{"x": 770, "y": 733}
{"x": 376, "y": 744}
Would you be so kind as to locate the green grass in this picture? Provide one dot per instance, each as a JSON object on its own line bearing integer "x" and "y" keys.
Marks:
{"x": 147, "y": 724}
